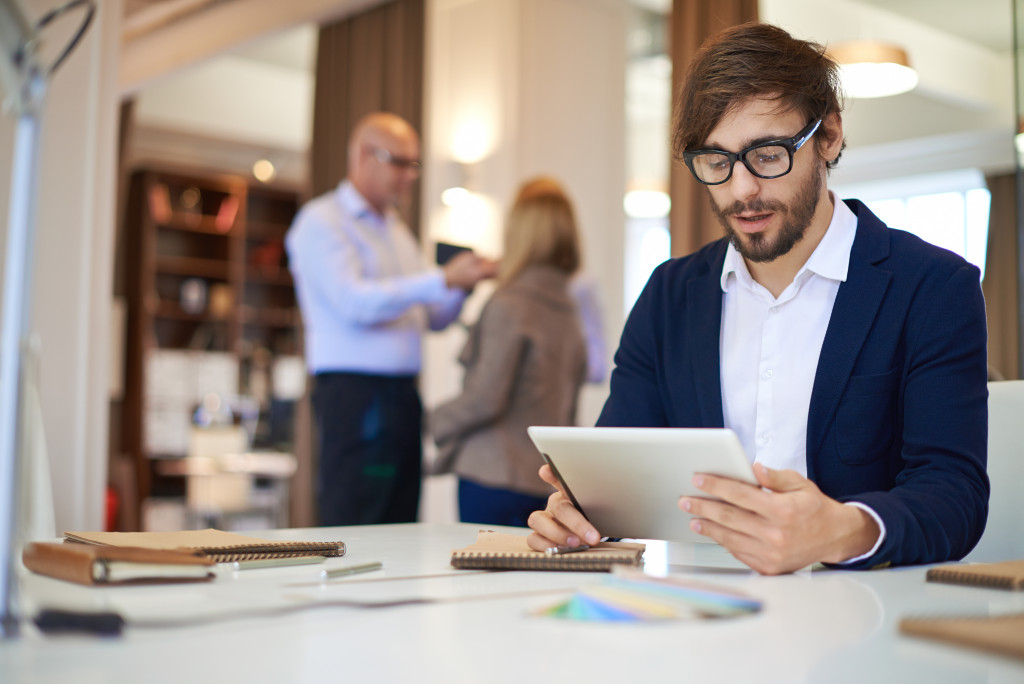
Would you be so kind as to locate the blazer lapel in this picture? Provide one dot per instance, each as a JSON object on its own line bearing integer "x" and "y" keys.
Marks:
{"x": 853, "y": 313}
{"x": 703, "y": 322}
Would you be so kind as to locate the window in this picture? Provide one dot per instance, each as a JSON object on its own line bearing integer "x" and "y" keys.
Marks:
{"x": 947, "y": 209}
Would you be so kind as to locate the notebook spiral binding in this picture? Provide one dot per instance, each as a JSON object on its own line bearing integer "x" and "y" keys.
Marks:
{"x": 966, "y": 577}
{"x": 277, "y": 550}
{"x": 506, "y": 561}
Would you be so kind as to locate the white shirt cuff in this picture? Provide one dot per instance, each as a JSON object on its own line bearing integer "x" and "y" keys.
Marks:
{"x": 881, "y": 534}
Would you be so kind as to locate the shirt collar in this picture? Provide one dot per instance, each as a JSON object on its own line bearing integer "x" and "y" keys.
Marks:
{"x": 355, "y": 204}
{"x": 830, "y": 259}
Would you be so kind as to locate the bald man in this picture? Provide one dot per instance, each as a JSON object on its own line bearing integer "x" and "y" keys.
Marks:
{"x": 366, "y": 298}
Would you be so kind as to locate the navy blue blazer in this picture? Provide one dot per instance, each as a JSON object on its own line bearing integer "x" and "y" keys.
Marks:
{"x": 898, "y": 416}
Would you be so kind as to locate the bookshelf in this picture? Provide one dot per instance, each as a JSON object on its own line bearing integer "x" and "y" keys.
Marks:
{"x": 211, "y": 309}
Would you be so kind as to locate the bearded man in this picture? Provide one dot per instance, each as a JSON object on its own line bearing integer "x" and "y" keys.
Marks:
{"x": 850, "y": 358}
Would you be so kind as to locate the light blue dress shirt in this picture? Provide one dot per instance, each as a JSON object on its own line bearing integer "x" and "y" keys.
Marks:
{"x": 365, "y": 294}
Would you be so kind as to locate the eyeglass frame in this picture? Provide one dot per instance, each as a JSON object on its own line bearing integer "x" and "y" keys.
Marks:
{"x": 791, "y": 145}
{"x": 386, "y": 157}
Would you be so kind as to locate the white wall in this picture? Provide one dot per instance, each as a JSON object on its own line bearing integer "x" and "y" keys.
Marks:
{"x": 265, "y": 103}
{"x": 538, "y": 104}
{"x": 72, "y": 287}
{"x": 507, "y": 92}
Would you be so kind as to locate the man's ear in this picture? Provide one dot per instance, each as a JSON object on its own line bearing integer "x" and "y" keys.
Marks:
{"x": 829, "y": 139}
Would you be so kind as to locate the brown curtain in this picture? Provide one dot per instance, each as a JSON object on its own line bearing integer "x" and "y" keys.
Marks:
{"x": 367, "y": 62}
{"x": 691, "y": 223}
{"x": 1001, "y": 278}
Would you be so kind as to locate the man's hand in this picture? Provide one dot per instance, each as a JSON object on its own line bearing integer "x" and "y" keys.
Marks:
{"x": 787, "y": 525}
{"x": 560, "y": 524}
{"x": 466, "y": 269}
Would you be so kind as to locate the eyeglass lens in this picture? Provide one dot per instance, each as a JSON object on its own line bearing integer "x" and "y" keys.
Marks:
{"x": 766, "y": 162}
{"x": 399, "y": 162}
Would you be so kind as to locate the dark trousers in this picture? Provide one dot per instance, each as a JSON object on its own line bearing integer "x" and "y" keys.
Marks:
{"x": 369, "y": 431}
{"x": 491, "y": 506}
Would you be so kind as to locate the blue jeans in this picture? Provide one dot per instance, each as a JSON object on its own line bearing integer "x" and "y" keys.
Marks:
{"x": 492, "y": 506}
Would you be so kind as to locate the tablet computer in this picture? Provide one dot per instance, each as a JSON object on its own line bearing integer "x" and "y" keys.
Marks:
{"x": 627, "y": 481}
{"x": 444, "y": 251}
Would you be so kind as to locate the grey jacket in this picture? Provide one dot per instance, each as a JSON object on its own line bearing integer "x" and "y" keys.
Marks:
{"x": 525, "y": 361}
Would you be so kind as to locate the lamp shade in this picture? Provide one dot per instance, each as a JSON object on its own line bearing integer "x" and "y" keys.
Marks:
{"x": 873, "y": 69}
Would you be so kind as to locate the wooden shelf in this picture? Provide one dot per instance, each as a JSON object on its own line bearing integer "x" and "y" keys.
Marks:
{"x": 265, "y": 230}
{"x": 194, "y": 266}
{"x": 173, "y": 310}
{"x": 196, "y": 223}
{"x": 271, "y": 317}
{"x": 260, "y": 276}
{"x": 234, "y": 242}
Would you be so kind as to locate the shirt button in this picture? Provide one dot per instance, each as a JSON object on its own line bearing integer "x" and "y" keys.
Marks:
{"x": 764, "y": 438}
{"x": 769, "y": 374}
{"x": 773, "y": 310}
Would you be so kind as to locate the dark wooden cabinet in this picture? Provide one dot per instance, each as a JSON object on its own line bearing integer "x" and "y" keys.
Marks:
{"x": 207, "y": 287}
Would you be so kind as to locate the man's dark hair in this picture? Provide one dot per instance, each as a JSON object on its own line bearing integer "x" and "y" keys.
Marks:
{"x": 754, "y": 60}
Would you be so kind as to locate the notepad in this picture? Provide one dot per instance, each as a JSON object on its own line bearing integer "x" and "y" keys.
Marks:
{"x": 499, "y": 551}
{"x": 1003, "y": 575}
{"x": 997, "y": 633}
{"x": 218, "y": 545}
{"x": 107, "y": 565}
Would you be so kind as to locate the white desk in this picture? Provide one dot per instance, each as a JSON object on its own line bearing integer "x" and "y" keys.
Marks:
{"x": 823, "y": 626}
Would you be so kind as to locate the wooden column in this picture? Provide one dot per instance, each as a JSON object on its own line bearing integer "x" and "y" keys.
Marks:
{"x": 691, "y": 223}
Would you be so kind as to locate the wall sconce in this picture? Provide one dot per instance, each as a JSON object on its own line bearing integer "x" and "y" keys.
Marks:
{"x": 460, "y": 184}
{"x": 873, "y": 69}
{"x": 471, "y": 217}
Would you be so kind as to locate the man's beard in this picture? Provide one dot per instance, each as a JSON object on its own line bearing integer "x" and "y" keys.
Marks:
{"x": 796, "y": 219}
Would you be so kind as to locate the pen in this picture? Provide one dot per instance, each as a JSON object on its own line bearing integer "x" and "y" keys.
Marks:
{"x": 276, "y": 562}
{"x": 560, "y": 549}
{"x": 350, "y": 570}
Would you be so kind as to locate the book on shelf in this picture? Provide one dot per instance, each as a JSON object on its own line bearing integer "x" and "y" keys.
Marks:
{"x": 1002, "y": 634}
{"x": 1002, "y": 575}
{"x": 110, "y": 565}
{"x": 500, "y": 551}
{"x": 217, "y": 545}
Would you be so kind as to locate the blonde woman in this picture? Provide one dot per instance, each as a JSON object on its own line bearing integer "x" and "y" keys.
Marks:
{"x": 525, "y": 361}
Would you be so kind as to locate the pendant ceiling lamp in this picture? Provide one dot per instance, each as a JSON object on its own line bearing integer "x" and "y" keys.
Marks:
{"x": 873, "y": 69}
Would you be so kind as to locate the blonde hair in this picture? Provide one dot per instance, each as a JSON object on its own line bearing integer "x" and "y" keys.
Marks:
{"x": 540, "y": 230}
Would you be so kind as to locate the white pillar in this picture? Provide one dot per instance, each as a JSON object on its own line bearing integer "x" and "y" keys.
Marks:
{"x": 516, "y": 88}
{"x": 74, "y": 243}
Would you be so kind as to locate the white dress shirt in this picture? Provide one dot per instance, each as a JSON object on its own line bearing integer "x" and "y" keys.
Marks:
{"x": 365, "y": 294}
{"x": 777, "y": 342}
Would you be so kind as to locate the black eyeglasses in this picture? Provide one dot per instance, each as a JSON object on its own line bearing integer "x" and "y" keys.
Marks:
{"x": 385, "y": 157}
{"x": 765, "y": 160}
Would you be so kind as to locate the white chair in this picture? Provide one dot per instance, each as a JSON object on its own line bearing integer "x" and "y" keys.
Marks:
{"x": 1004, "y": 533}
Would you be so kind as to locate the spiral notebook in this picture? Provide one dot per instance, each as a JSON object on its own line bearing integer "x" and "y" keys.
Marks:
{"x": 1002, "y": 575}
{"x": 499, "y": 551}
{"x": 218, "y": 545}
{"x": 1002, "y": 634}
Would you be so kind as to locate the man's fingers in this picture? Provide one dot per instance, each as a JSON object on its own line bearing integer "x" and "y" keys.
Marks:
{"x": 562, "y": 524}
{"x": 732, "y": 491}
{"x": 549, "y": 477}
{"x": 724, "y": 514}
{"x": 778, "y": 480}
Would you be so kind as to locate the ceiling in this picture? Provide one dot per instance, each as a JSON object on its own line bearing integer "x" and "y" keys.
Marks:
{"x": 975, "y": 28}
{"x": 984, "y": 22}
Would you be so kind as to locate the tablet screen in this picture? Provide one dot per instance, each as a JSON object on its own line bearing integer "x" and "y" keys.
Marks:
{"x": 627, "y": 481}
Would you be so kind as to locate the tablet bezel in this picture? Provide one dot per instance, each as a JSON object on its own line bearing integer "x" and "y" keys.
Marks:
{"x": 627, "y": 481}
